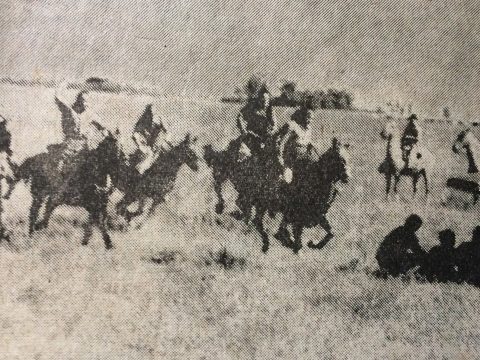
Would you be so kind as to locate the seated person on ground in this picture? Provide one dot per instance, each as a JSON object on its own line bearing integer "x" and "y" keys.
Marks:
{"x": 468, "y": 259}
{"x": 440, "y": 261}
{"x": 400, "y": 251}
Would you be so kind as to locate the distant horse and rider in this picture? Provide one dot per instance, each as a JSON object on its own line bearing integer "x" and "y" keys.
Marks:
{"x": 279, "y": 171}
{"x": 467, "y": 144}
{"x": 405, "y": 156}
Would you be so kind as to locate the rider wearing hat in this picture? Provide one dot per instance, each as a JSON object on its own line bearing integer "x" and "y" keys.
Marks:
{"x": 412, "y": 135}
{"x": 256, "y": 122}
{"x": 151, "y": 138}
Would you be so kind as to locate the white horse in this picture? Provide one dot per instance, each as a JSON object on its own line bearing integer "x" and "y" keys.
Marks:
{"x": 468, "y": 144}
{"x": 393, "y": 167}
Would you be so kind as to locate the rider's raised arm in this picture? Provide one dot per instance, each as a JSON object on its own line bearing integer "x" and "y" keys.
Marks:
{"x": 70, "y": 121}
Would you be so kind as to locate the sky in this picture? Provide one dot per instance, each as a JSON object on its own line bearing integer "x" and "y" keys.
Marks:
{"x": 426, "y": 52}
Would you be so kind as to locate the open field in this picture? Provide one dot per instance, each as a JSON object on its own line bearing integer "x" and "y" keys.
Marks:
{"x": 59, "y": 300}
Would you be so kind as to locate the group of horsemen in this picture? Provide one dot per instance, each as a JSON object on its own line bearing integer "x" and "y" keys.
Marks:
{"x": 256, "y": 123}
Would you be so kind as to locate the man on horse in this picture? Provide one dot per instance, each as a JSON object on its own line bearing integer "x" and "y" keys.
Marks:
{"x": 7, "y": 166}
{"x": 296, "y": 139}
{"x": 412, "y": 136}
{"x": 151, "y": 138}
{"x": 256, "y": 123}
{"x": 81, "y": 130}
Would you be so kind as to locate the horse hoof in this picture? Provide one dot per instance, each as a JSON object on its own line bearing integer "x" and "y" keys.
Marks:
{"x": 237, "y": 215}
{"x": 265, "y": 248}
{"x": 219, "y": 208}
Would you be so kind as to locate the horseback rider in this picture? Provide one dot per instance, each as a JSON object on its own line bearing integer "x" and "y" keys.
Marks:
{"x": 256, "y": 123}
{"x": 151, "y": 138}
{"x": 296, "y": 139}
{"x": 412, "y": 136}
{"x": 81, "y": 129}
{"x": 7, "y": 166}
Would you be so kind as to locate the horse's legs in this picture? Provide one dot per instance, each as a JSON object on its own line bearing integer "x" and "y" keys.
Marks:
{"x": 297, "y": 230}
{"x": 323, "y": 222}
{"x": 34, "y": 210}
{"x": 258, "y": 223}
{"x": 102, "y": 225}
{"x": 49, "y": 208}
{"x": 425, "y": 181}
{"x": 245, "y": 209}
{"x": 388, "y": 184}
{"x": 282, "y": 234}
{"x": 88, "y": 228}
{"x": 218, "y": 180}
{"x": 415, "y": 178}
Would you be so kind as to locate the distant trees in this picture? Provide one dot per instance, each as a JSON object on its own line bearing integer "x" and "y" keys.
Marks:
{"x": 290, "y": 95}
{"x": 329, "y": 99}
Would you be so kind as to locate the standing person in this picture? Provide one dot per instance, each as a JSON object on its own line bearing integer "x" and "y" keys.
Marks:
{"x": 400, "y": 250}
{"x": 151, "y": 138}
{"x": 412, "y": 136}
{"x": 256, "y": 123}
{"x": 468, "y": 259}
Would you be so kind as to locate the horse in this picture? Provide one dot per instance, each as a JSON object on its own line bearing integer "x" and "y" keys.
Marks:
{"x": 393, "y": 167}
{"x": 308, "y": 198}
{"x": 466, "y": 142}
{"x": 157, "y": 181}
{"x": 256, "y": 179}
{"x": 87, "y": 184}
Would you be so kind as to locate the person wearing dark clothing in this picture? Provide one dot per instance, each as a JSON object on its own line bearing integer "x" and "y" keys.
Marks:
{"x": 412, "y": 135}
{"x": 468, "y": 259}
{"x": 400, "y": 251}
{"x": 440, "y": 261}
{"x": 5, "y": 137}
{"x": 7, "y": 166}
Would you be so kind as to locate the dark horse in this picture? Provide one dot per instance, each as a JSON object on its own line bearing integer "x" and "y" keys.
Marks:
{"x": 260, "y": 184}
{"x": 257, "y": 179}
{"x": 307, "y": 199}
{"x": 157, "y": 181}
{"x": 86, "y": 184}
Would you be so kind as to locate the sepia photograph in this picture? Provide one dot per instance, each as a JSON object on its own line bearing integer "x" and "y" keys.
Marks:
{"x": 228, "y": 179}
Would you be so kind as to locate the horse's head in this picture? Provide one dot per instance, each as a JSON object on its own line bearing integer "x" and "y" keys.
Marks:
{"x": 462, "y": 141}
{"x": 336, "y": 162}
{"x": 390, "y": 130}
{"x": 186, "y": 154}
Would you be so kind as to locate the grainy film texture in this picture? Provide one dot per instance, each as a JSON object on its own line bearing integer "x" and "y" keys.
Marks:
{"x": 188, "y": 179}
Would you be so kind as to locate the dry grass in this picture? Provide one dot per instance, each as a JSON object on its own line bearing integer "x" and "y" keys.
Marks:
{"x": 209, "y": 292}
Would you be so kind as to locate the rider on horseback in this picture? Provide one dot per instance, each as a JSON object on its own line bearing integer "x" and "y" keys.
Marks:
{"x": 151, "y": 138}
{"x": 7, "y": 166}
{"x": 256, "y": 123}
{"x": 412, "y": 136}
{"x": 76, "y": 139}
{"x": 296, "y": 144}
